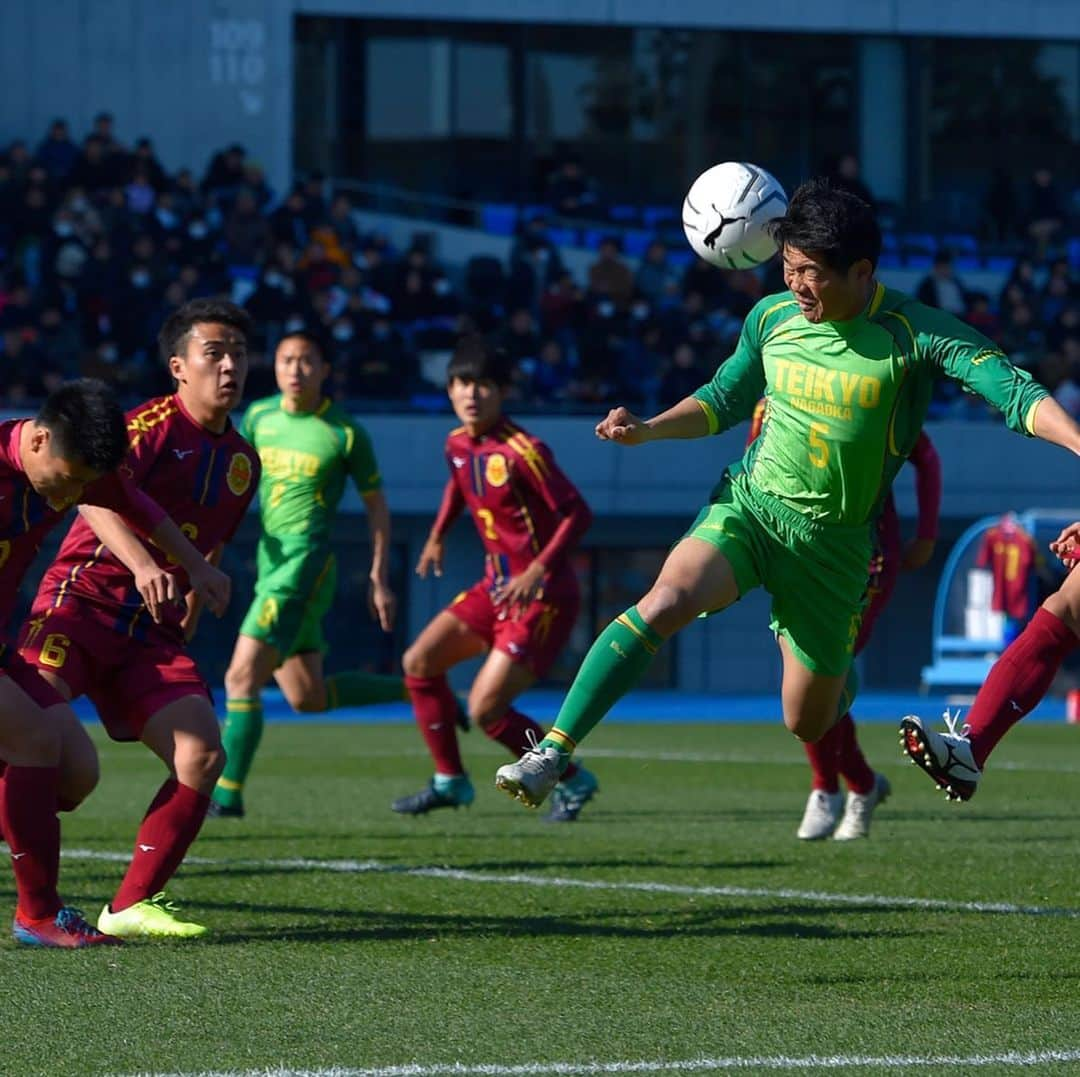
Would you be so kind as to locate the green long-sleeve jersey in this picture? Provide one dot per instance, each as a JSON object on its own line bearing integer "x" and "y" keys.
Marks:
{"x": 306, "y": 459}
{"x": 845, "y": 401}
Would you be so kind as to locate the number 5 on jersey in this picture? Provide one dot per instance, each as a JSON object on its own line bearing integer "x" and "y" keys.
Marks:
{"x": 819, "y": 447}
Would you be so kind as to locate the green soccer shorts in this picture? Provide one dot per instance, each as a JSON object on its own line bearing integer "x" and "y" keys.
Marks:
{"x": 815, "y": 573}
{"x": 293, "y": 593}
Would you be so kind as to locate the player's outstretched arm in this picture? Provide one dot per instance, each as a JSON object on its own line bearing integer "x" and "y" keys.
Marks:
{"x": 1054, "y": 424}
{"x": 687, "y": 419}
{"x": 381, "y": 599}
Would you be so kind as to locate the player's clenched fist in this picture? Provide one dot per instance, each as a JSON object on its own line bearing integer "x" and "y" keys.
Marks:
{"x": 622, "y": 426}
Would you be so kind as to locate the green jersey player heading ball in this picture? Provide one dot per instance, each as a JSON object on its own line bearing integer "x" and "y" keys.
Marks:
{"x": 309, "y": 449}
{"x": 847, "y": 367}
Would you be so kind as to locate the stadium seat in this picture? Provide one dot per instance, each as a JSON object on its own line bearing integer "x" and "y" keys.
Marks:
{"x": 890, "y": 260}
{"x": 1000, "y": 263}
{"x": 624, "y": 214}
{"x": 960, "y": 243}
{"x": 499, "y": 220}
{"x": 889, "y": 242}
{"x": 651, "y": 216}
{"x": 918, "y": 242}
{"x": 564, "y": 237}
{"x": 636, "y": 242}
{"x": 915, "y": 260}
{"x": 681, "y": 259}
{"x": 1073, "y": 250}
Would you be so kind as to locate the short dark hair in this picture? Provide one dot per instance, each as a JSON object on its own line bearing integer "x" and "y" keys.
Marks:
{"x": 313, "y": 338}
{"x": 173, "y": 338}
{"x": 475, "y": 358}
{"x": 86, "y": 423}
{"x": 829, "y": 221}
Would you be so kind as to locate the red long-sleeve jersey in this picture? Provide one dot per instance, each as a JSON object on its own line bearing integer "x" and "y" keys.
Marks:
{"x": 524, "y": 507}
{"x": 26, "y": 517}
{"x": 1010, "y": 554}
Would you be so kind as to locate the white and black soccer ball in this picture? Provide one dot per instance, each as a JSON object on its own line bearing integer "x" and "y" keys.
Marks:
{"x": 725, "y": 212}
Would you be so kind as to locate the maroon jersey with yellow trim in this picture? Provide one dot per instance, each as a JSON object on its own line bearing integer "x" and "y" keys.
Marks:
{"x": 204, "y": 481}
{"x": 1011, "y": 555}
{"x": 26, "y": 517}
{"x": 524, "y": 507}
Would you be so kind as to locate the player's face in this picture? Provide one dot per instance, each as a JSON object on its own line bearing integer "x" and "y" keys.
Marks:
{"x": 58, "y": 479}
{"x": 478, "y": 404}
{"x": 212, "y": 371}
{"x": 825, "y": 294}
{"x": 300, "y": 371}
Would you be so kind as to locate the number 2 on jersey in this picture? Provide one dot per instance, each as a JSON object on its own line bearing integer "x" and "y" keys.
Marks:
{"x": 819, "y": 447}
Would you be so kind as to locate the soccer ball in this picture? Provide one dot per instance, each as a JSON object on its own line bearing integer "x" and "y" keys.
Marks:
{"x": 725, "y": 213}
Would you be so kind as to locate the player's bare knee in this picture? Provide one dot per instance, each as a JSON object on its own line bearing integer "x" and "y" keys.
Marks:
{"x": 809, "y": 728}
{"x": 240, "y": 681}
{"x": 667, "y": 608}
{"x": 417, "y": 662}
{"x": 200, "y": 766}
{"x": 312, "y": 701}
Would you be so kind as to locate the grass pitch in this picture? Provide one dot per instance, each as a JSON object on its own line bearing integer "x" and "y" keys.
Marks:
{"x": 678, "y": 920}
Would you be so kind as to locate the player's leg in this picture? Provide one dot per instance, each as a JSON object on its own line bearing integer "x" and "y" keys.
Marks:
{"x": 184, "y": 734}
{"x": 1017, "y": 681}
{"x": 811, "y": 700}
{"x": 31, "y": 745}
{"x": 447, "y": 640}
{"x": 697, "y": 577}
{"x": 251, "y": 666}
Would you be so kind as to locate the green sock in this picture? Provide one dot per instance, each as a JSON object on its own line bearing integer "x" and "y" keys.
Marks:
{"x": 363, "y": 689}
{"x": 241, "y": 736}
{"x": 614, "y": 664}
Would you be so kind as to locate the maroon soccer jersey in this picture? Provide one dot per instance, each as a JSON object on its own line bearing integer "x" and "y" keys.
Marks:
{"x": 204, "y": 481}
{"x": 26, "y": 517}
{"x": 1009, "y": 552}
{"x": 524, "y": 507}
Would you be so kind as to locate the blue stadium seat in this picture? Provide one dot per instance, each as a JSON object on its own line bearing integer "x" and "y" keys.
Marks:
{"x": 651, "y": 216}
{"x": 563, "y": 237}
{"x": 498, "y": 219}
{"x": 889, "y": 242}
{"x": 921, "y": 242}
{"x": 960, "y": 242}
{"x": 681, "y": 259}
{"x": 918, "y": 261}
{"x": 635, "y": 242}
{"x": 1000, "y": 263}
{"x": 890, "y": 260}
{"x": 1073, "y": 250}
{"x": 624, "y": 214}
{"x": 592, "y": 237}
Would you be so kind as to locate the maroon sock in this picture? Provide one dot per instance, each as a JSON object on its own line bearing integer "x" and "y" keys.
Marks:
{"x": 511, "y": 731}
{"x": 1018, "y": 680}
{"x": 170, "y": 825}
{"x": 824, "y": 758}
{"x": 436, "y": 710}
{"x": 856, "y": 770}
{"x": 28, "y": 819}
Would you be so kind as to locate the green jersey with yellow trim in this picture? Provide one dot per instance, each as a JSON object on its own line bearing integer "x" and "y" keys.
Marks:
{"x": 845, "y": 401}
{"x": 306, "y": 459}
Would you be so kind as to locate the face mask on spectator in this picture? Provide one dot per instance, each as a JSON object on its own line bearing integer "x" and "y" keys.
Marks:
{"x": 343, "y": 332}
{"x": 197, "y": 230}
{"x": 640, "y": 311}
{"x": 140, "y": 279}
{"x": 605, "y": 309}
{"x": 441, "y": 286}
{"x": 273, "y": 280}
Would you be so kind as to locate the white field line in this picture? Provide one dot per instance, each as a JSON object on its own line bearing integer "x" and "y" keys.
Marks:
{"x": 691, "y": 1065}
{"x": 465, "y": 875}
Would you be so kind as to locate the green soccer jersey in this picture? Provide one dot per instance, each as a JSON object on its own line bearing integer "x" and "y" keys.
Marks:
{"x": 845, "y": 401}
{"x": 305, "y": 462}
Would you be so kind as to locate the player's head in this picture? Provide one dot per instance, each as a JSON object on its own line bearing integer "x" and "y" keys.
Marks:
{"x": 830, "y": 243}
{"x": 78, "y": 435}
{"x": 477, "y": 381}
{"x": 205, "y": 345}
{"x": 301, "y": 368}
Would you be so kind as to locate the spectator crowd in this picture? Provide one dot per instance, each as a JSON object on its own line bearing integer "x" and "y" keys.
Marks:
{"x": 99, "y": 243}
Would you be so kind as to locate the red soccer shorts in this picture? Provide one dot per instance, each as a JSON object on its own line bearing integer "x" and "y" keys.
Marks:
{"x": 26, "y": 676}
{"x": 128, "y": 680}
{"x": 536, "y": 636}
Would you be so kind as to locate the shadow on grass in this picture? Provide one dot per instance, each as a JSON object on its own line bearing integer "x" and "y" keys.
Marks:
{"x": 658, "y": 924}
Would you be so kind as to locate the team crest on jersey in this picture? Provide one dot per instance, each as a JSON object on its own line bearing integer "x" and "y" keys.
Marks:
{"x": 496, "y": 473}
{"x": 238, "y": 476}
